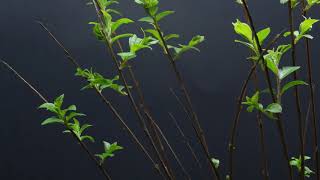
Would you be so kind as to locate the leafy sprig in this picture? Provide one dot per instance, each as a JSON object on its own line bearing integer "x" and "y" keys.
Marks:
{"x": 304, "y": 28}
{"x": 97, "y": 81}
{"x": 107, "y": 31}
{"x": 254, "y": 104}
{"x": 154, "y": 17}
{"x": 66, "y": 117}
{"x": 297, "y": 162}
{"x": 109, "y": 150}
{"x": 136, "y": 44}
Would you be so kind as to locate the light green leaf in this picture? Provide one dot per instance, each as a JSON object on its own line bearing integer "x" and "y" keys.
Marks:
{"x": 243, "y": 30}
{"x": 215, "y": 162}
{"x": 285, "y": 71}
{"x": 163, "y": 14}
{"x": 52, "y": 120}
{"x": 263, "y": 34}
{"x": 147, "y": 19}
{"x": 118, "y": 37}
{"x": 274, "y": 108}
{"x": 292, "y": 84}
{"x": 120, "y": 22}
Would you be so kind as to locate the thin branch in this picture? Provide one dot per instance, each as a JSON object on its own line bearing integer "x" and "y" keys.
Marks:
{"x": 154, "y": 141}
{"x": 104, "y": 99}
{"x": 231, "y": 146}
{"x": 185, "y": 140}
{"x": 173, "y": 152}
{"x": 312, "y": 96}
{"x": 296, "y": 91}
{"x": 82, "y": 144}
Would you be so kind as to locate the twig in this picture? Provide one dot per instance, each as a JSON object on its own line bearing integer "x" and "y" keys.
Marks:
{"x": 82, "y": 144}
{"x": 312, "y": 96}
{"x": 105, "y": 100}
{"x": 296, "y": 91}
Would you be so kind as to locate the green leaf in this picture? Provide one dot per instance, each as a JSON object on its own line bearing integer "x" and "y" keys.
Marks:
{"x": 118, "y": 37}
{"x": 215, "y": 162}
{"x": 163, "y": 14}
{"x": 105, "y": 3}
{"x": 147, "y": 3}
{"x": 147, "y": 19}
{"x": 120, "y": 22}
{"x": 306, "y": 25}
{"x": 285, "y": 71}
{"x": 97, "y": 30}
{"x": 49, "y": 107}
{"x": 52, "y": 120}
{"x": 263, "y": 34}
{"x": 58, "y": 101}
{"x": 274, "y": 108}
{"x": 90, "y": 138}
{"x": 243, "y": 30}
{"x": 171, "y": 36}
{"x": 292, "y": 84}
{"x": 109, "y": 150}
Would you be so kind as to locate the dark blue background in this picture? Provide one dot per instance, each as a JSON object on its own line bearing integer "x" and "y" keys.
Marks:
{"x": 214, "y": 77}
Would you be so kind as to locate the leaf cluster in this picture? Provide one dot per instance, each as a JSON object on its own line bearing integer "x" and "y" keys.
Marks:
{"x": 297, "y": 162}
{"x": 304, "y": 28}
{"x": 136, "y": 44}
{"x": 254, "y": 104}
{"x": 97, "y": 81}
{"x": 66, "y": 117}
{"x": 109, "y": 150}
{"x": 154, "y": 17}
{"x": 107, "y": 30}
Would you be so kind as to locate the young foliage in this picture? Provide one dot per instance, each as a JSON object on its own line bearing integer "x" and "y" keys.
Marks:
{"x": 296, "y": 162}
{"x": 154, "y": 17}
{"x": 269, "y": 111}
{"x": 311, "y": 3}
{"x": 304, "y": 28}
{"x": 294, "y": 3}
{"x": 244, "y": 30}
{"x": 215, "y": 162}
{"x": 97, "y": 81}
{"x": 107, "y": 30}
{"x": 66, "y": 117}
{"x": 136, "y": 44}
{"x": 109, "y": 150}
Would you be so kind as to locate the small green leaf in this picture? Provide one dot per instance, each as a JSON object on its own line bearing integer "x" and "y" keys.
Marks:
{"x": 118, "y": 37}
{"x": 243, "y": 30}
{"x": 52, "y": 120}
{"x": 147, "y": 19}
{"x": 163, "y": 14}
{"x": 49, "y": 107}
{"x": 58, "y": 101}
{"x": 120, "y": 22}
{"x": 215, "y": 162}
{"x": 292, "y": 84}
{"x": 263, "y": 34}
{"x": 285, "y": 71}
{"x": 274, "y": 108}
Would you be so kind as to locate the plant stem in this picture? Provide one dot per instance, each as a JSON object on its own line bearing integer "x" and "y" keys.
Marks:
{"x": 296, "y": 91}
{"x": 82, "y": 144}
{"x": 185, "y": 139}
{"x": 313, "y": 106}
{"x": 145, "y": 109}
{"x": 231, "y": 146}
{"x": 267, "y": 76}
{"x": 173, "y": 152}
{"x": 153, "y": 140}
{"x": 265, "y": 171}
{"x": 105, "y": 101}
{"x": 198, "y": 128}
